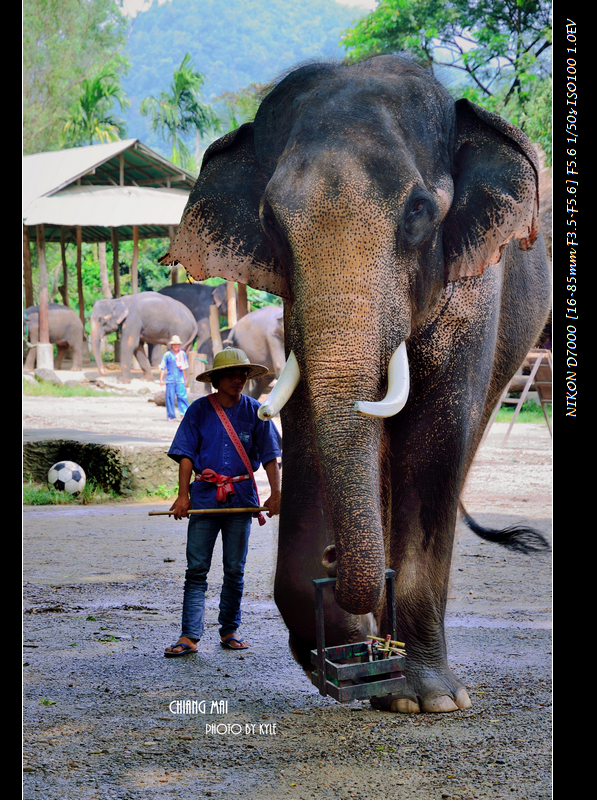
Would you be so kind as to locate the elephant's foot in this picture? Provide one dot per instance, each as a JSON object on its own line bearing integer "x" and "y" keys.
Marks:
{"x": 434, "y": 694}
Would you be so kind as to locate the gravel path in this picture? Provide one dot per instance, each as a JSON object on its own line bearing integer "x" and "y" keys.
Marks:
{"x": 102, "y": 598}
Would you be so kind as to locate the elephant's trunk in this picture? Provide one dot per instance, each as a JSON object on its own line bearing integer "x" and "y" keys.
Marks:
{"x": 348, "y": 445}
{"x": 96, "y": 340}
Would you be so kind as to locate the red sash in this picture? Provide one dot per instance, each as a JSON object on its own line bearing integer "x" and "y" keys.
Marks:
{"x": 240, "y": 449}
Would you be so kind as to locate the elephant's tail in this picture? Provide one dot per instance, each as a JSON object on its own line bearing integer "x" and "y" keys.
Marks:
{"x": 519, "y": 538}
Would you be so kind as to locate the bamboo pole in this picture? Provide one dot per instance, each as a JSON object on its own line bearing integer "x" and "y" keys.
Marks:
{"x": 252, "y": 509}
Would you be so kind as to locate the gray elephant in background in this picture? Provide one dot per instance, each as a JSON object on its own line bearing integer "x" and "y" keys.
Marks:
{"x": 197, "y": 297}
{"x": 66, "y": 330}
{"x": 261, "y": 335}
{"x": 145, "y": 317}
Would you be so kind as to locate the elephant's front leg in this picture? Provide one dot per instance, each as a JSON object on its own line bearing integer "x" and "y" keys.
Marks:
{"x": 62, "y": 348}
{"x": 426, "y": 482}
{"x": 144, "y": 362}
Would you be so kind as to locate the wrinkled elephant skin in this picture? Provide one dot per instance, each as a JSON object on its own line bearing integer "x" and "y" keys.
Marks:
{"x": 66, "y": 330}
{"x": 145, "y": 317}
{"x": 261, "y": 335}
{"x": 382, "y": 212}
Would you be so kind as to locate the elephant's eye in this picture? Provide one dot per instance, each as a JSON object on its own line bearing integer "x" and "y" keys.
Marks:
{"x": 418, "y": 216}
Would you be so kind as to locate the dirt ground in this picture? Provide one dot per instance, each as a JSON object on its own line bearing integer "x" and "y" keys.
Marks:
{"x": 102, "y": 596}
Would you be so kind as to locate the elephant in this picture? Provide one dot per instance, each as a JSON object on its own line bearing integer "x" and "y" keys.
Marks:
{"x": 400, "y": 228}
{"x": 198, "y": 297}
{"x": 66, "y": 330}
{"x": 145, "y": 317}
{"x": 260, "y": 334}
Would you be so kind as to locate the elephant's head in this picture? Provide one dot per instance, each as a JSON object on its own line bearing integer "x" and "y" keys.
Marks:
{"x": 106, "y": 316}
{"x": 357, "y": 194}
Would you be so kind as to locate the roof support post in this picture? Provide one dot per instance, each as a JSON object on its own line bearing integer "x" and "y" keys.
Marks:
{"x": 115, "y": 263}
{"x": 80, "y": 274}
{"x": 135, "y": 261}
{"x": 174, "y": 268}
{"x": 27, "y": 275}
{"x": 242, "y": 300}
{"x": 231, "y": 304}
{"x": 64, "y": 288}
{"x": 45, "y": 351}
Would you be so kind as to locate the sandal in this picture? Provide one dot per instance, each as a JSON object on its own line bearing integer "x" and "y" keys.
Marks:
{"x": 240, "y": 643}
{"x": 186, "y": 651}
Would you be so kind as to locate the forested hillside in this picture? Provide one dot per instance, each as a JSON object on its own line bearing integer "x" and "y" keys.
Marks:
{"x": 233, "y": 43}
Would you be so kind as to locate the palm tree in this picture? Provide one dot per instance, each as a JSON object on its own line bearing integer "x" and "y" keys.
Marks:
{"x": 179, "y": 111}
{"x": 91, "y": 118}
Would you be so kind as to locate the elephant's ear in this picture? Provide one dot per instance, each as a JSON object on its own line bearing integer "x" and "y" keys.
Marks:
{"x": 121, "y": 311}
{"x": 220, "y": 233}
{"x": 496, "y": 192}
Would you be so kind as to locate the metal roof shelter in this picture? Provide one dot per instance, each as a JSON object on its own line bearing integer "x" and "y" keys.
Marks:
{"x": 99, "y": 193}
{"x": 117, "y": 185}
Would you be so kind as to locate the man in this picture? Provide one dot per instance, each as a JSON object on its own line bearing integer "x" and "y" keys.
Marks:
{"x": 173, "y": 372}
{"x": 202, "y": 445}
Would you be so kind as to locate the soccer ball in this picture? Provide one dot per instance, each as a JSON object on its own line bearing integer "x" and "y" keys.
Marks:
{"x": 67, "y": 476}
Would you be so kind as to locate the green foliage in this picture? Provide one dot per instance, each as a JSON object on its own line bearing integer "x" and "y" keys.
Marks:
{"x": 65, "y": 42}
{"x": 90, "y": 118}
{"x": 178, "y": 112}
{"x": 241, "y": 106}
{"x": 499, "y": 47}
{"x": 162, "y": 492}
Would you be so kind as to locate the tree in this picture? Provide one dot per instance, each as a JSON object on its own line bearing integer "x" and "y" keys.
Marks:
{"x": 501, "y": 47}
{"x": 241, "y": 106}
{"x": 179, "y": 112}
{"x": 65, "y": 42}
{"x": 91, "y": 117}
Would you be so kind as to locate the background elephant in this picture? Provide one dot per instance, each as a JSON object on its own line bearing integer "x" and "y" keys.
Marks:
{"x": 145, "y": 317}
{"x": 404, "y": 240}
{"x": 197, "y": 297}
{"x": 66, "y": 330}
{"x": 261, "y": 335}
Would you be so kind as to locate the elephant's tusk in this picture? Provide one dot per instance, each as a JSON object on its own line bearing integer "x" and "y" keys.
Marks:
{"x": 282, "y": 391}
{"x": 398, "y": 387}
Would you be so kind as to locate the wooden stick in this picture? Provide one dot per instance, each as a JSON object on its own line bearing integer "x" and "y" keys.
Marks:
{"x": 377, "y": 639}
{"x": 253, "y": 509}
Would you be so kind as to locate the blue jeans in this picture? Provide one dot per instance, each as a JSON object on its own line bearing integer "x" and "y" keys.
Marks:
{"x": 201, "y": 537}
{"x": 176, "y": 390}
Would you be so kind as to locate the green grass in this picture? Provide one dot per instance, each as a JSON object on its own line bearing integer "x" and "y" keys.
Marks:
{"x": 47, "y": 389}
{"x": 40, "y": 494}
{"x": 531, "y": 411}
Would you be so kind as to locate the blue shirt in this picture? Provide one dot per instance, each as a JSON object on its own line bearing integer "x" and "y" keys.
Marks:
{"x": 202, "y": 437}
{"x": 173, "y": 373}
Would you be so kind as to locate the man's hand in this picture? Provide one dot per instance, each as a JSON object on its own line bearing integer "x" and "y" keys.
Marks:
{"x": 272, "y": 470}
{"x": 180, "y": 507}
{"x": 273, "y": 504}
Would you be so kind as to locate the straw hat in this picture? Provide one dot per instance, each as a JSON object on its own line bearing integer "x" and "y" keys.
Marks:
{"x": 175, "y": 340}
{"x": 230, "y": 358}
